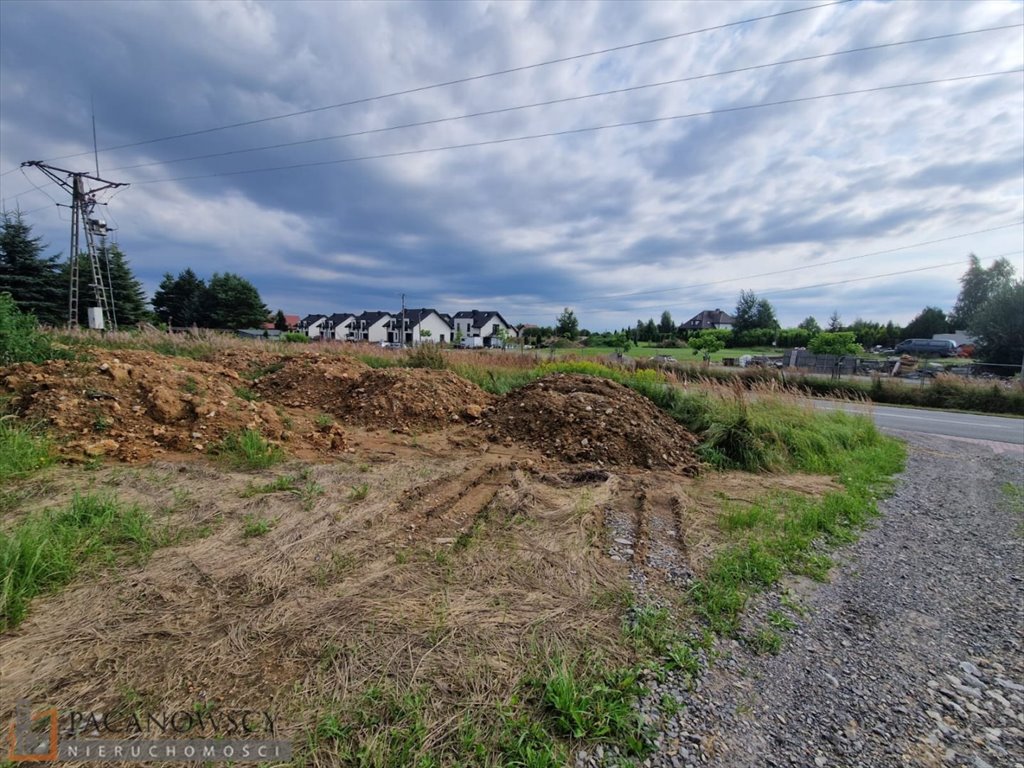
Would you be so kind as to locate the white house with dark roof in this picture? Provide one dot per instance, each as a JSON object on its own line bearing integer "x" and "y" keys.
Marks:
{"x": 311, "y": 325}
{"x": 339, "y": 326}
{"x": 486, "y": 326}
{"x": 371, "y": 326}
{"x": 421, "y": 325}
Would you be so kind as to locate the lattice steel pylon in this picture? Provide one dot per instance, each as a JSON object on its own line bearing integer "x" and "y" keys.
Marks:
{"x": 83, "y": 202}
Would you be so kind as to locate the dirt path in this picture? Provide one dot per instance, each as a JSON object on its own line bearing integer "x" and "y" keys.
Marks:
{"x": 913, "y": 655}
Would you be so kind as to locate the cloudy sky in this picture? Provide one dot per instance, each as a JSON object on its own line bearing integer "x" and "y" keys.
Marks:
{"x": 679, "y": 211}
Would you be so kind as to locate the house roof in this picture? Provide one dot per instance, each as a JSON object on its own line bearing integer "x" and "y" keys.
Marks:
{"x": 480, "y": 318}
{"x": 310, "y": 319}
{"x": 340, "y": 317}
{"x": 290, "y": 320}
{"x": 709, "y": 318}
{"x": 417, "y": 316}
{"x": 372, "y": 318}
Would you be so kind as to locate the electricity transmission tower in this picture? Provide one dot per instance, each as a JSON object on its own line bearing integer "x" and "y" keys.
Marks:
{"x": 83, "y": 200}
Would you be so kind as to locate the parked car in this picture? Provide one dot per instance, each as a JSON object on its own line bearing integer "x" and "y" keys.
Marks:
{"x": 937, "y": 347}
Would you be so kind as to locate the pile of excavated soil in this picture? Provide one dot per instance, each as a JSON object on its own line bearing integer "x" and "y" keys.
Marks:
{"x": 589, "y": 419}
{"x": 308, "y": 381}
{"x": 403, "y": 398}
{"x": 132, "y": 404}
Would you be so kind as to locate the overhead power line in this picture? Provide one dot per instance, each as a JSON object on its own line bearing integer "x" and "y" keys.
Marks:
{"x": 566, "y": 99}
{"x": 807, "y": 266}
{"x": 774, "y": 292}
{"x": 681, "y": 288}
{"x": 587, "y": 129}
{"x": 771, "y": 292}
{"x": 461, "y": 80}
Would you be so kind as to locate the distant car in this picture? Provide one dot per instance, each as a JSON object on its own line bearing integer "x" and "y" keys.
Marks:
{"x": 925, "y": 347}
{"x": 663, "y": 359}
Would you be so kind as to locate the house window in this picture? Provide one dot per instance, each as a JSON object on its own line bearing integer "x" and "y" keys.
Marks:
{"x": 494, "y": 329}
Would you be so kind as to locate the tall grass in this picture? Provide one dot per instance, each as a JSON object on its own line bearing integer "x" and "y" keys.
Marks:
{"x": 779, "y": 534}
{"x": 248, "y": 450}
{"x": 22, "y": 450}
{"x": 46, "y": 550}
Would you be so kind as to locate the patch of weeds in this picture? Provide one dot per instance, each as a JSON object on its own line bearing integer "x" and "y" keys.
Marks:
{"x": 278, "y": 484}
{"x": 670, "y": 705}
{"x": 259, "y": 371}
{"x": 585, "y": 702}
{"x": 248, "y": 450}
{"x": 101, "y": 423}
{"x": 683, "y": 657}
{"x": 23, "y": 450}
{"x": 779, "y": 620}
{"x": 323, "y": 420}
{"x": 309, "y": 493}
{"x": 359, "y": 492}
{"x": 1013, "y": 501}
{"x": 363, "y": 467}
{"x": 765, "y": 641}
{"x": 649, "y": 628}
{"x": 383, "y": 728}
{"x": 46, "y": 550}
{"x": 333, "y": 568}
{"x": 792, "y": 603}
{"x": 190, "y": 385}
{"x": 525, "y": 743}
{"x": 254, "y": 525}
{"x": 401, "y": 557}
{"x": 245, "y": 393}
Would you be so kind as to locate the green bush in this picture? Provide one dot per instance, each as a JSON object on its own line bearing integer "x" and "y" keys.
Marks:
{"x": 294, "y": 337}
{"x": 21, "y": 341}
{"x": 425, "y": 356}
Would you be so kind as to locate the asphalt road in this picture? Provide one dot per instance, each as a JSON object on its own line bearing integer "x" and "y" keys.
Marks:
{"x": 999, "y": 429}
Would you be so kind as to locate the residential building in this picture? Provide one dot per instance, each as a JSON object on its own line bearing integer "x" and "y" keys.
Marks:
{"x": 421, "y": 325}
{"x": 311, "y": 324}
{"x": 489, "y": 327}
{"x": 339, "y": 326}
{"x": 708, "y": 319}
{"x": 371, "y": 326}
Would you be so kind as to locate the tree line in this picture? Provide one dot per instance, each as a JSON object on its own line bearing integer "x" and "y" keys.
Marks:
{"x": 989, "y": 307}
{"x": 39, "y": 285}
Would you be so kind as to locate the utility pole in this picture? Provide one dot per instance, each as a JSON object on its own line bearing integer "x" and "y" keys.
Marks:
{"x": 83, "y": 201}
{"x": 403, "y": 322}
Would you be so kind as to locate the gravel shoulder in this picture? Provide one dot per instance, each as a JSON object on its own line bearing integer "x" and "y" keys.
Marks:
{"x": 913, "y": 654}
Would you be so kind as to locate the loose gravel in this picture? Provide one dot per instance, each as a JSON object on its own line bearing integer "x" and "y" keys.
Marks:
{"x": 912, "y": 655}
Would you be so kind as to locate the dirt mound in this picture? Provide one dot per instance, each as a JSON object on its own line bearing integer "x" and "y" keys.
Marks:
{"x": 308, "y": 381}
{"x": 401, "y": 398}
{"x": 132, "y": 404}
{"x": 588, "y": 419}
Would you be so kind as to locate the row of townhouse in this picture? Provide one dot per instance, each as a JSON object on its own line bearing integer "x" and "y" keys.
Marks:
{"x": 411, "y": 326}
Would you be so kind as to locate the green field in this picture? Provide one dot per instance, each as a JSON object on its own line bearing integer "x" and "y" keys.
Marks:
{"x": 683, "y": 354}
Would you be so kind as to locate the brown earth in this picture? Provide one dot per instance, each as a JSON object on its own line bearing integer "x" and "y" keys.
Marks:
{"x": 308, "y": 381}
{"x": 133, "y": 404}
{"x": 587, "y": 419}
{"x": 407, "y": 398}
{"x": 443, "y": 563}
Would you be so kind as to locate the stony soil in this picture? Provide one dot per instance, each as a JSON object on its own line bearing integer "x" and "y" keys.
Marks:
{"x": 405, "y": 399}
{"x": 586, "y": 419}
{"x": 133, "y": 405}
{"x": 913, "y": 655}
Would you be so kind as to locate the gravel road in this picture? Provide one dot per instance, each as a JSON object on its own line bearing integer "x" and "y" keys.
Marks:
{"x": 913, "y": 655}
